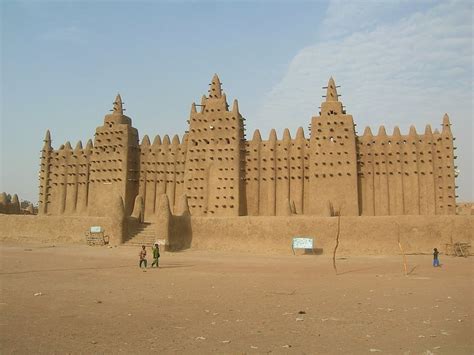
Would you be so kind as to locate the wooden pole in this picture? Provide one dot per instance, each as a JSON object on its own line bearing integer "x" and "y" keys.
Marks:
{"x": 337, "y": 242}
{"x": 403, "y": 252}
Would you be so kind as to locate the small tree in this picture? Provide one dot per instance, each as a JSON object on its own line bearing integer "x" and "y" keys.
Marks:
{"x": 24, "y": 204}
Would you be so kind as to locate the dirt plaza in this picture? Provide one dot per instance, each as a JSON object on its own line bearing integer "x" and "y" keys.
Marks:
{"x": 78, "y": 299}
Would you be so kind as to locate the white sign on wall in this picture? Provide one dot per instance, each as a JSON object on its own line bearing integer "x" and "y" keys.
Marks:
{"x": 96, "y": 229}
{"x": 302, "y": 243}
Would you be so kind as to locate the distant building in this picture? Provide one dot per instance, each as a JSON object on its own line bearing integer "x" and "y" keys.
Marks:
{"x": 9, "y": 204}
{"x": 334, "y": 171}
{"x": 465, "y": 208}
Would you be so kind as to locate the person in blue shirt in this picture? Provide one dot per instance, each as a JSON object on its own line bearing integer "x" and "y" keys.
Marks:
{"x": 435, "y": 257}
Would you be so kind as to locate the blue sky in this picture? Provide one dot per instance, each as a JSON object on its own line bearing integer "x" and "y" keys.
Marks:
{"x": 398, "y": 62}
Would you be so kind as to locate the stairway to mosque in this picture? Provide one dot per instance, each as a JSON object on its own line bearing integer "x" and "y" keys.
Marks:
{"x": 141, "y": 234}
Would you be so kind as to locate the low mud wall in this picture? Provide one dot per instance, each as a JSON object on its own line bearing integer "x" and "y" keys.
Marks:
{"x": 266, "y": 235}
{"x": 52, "y": 229}
{"x": 358, "y": 235}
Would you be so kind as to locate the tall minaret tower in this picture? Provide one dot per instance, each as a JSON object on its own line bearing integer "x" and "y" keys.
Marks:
{"x": 333, "y": 160}
{"x": 45, "y": 169}
{"x": 214, "y": 158}
{"x": 114, "y": 162}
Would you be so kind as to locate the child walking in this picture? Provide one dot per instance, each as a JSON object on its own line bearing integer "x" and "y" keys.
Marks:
{"x": 142, "y": 257}
{"x": 156, "y": 254}
{"x": 435, "y": 257}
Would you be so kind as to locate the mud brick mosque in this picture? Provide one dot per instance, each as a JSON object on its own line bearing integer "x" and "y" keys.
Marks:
{"x": 220, "y": 173}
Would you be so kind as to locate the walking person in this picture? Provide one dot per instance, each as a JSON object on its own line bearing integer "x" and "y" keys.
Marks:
{"x": 142, "y": 257}
{"x": 156, "y": 254}
{"x": 435, "y": 257}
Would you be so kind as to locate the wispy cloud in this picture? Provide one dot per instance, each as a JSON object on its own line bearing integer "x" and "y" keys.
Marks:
{"x": 403, "y": 70}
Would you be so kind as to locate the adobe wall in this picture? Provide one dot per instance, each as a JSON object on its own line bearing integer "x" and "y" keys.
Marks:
{"x": 84, "y": 181}
{"x": 358, "y": 235}
{"x": 161, "y": 172}
{"x": 213, "y": 177}
{"x": 49, "y": 229}
{"x": 410, "y": 174}
{"x": 266, "y": 235}
{"x": 114, "y": 163}
{"x": 332, "y": 160}
{"x": 224, "y": 174}
{"x": 274, "y": 174}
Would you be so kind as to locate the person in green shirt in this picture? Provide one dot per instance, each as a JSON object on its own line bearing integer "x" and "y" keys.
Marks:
{"x": 156, "y": 254}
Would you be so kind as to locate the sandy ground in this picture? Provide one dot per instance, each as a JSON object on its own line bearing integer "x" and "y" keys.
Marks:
{"x": 97, "y": 300}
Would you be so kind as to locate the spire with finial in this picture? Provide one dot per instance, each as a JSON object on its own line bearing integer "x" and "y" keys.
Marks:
{"x": 203, "y": 102}
{"x": 47, "y": 139}
{"x": 331, "y": 91}
{"x": 332, "y": 105}
{"x": 118, "y": 105}
{"x": 215, "y": 91}
{"x": 446, "y": 124}
{"x": 117, "y": 116}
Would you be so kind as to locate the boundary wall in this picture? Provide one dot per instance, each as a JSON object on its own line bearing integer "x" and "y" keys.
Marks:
{"x": 372, "y": 235}
{"x": 53, "y": 229}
